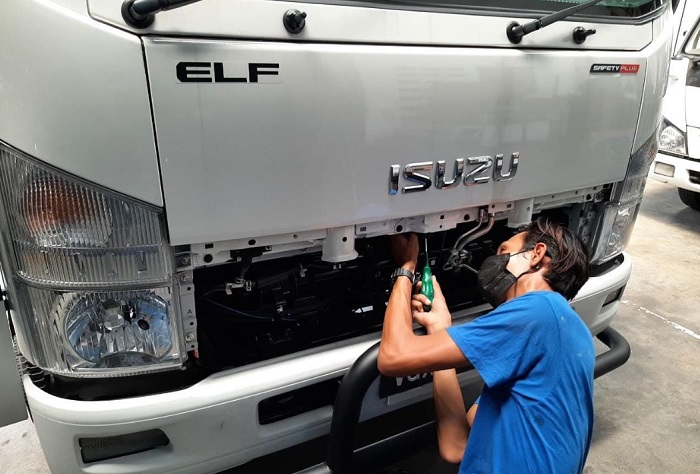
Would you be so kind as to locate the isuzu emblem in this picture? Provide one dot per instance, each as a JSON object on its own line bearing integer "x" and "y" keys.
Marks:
{"x": 470, "y": 171}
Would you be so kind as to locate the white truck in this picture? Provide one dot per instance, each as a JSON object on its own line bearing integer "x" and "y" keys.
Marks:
{"x": 195, "y": 204}
{"x": 678, "y": 159}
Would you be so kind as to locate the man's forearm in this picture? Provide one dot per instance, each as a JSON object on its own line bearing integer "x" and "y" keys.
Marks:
{"x": 450, "y": 411}
{"x": 398, "y": 323}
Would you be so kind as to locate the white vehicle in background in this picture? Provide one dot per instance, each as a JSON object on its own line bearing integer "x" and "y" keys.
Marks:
{"x": 678, "y": 160}
{"x": 195, "y": 207}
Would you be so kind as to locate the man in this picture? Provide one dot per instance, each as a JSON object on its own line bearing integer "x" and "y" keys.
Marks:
{"x": 536, "y": 356}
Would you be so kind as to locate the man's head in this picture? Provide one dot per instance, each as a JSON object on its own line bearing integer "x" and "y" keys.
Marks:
{"x": 552, "y": 250}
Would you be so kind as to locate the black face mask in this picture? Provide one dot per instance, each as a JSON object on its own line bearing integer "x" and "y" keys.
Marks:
{"x": 494, "y": 279}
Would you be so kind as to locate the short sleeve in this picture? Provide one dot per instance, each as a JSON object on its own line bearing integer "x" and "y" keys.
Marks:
{"x": 505, "y": 344}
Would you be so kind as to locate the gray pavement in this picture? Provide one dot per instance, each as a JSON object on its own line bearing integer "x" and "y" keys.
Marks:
{"x": 647, "y": 411}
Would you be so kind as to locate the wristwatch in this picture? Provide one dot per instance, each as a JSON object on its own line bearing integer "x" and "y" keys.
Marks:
{"x": 402, "y": 272}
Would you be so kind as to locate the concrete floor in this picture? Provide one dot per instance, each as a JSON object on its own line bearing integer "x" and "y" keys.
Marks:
{"x": 648, "y": 411}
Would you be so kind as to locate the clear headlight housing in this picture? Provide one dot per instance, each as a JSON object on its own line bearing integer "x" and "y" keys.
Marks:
{"x": 91, "y": 272}
{"x": 620, "y": 214}
{"x": 672, "y": 140}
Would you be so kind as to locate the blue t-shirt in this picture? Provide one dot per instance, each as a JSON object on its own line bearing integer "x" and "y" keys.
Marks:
{"x": 535, "y": 414}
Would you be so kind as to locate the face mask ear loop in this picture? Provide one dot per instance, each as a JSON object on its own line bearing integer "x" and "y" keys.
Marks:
{"x": 532, "y": 270}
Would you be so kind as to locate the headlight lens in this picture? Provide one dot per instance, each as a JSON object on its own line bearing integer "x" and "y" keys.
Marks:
{"x": 615, "y": 231}
{"x": 104, "y": 334}
{"x": 71, "y": 234}
{"x": 55, "y": 214}
{"x": 99, "y": 325}
{"x": 671, "y": 139}
{"x": 92, "y": 274}
{"x": 619, "y": 215}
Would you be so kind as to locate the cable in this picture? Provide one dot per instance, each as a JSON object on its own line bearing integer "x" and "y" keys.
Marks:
{"x": 240, "y": 313}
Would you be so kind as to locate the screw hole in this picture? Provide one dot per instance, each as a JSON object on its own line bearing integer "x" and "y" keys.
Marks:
{"x": 191, "y": 323}
{"x": 189, "y": 288}
{"x": 588, "y": 197}
{"x": 208, "y": 258}
{"x": 441, "y": 227}
{"x": 399, "y": 228}
{"x": 466, "y": 217}
{"x": 345, "y": 239}
{"x": 295, "y": 236}
{"x": 442, "y": 216}
{"x": 251, "y": 242}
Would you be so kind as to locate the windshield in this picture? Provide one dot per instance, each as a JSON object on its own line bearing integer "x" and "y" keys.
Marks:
{"x": 608, "y": 8}
{"x": 692, "y": 46}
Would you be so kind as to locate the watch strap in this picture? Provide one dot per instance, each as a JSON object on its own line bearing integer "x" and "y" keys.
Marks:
{"x": 402, "y": 272}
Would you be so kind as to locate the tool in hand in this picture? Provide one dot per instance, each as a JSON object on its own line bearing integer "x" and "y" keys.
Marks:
{"x": 427, "y": 280}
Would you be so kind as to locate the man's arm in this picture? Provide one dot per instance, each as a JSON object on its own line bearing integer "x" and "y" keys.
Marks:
{"x": 401, "y": 352}
{"x": 451, "y": 416}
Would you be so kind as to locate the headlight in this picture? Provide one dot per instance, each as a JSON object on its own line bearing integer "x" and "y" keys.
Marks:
{"x": 615, "y": 231}
{"x": 671, "y": 139}
{"x": 92, "y": 274}
{"x": 103, "y": 334}
{"x": 72, "y": 234}
{"x": 619, "y": 215}
{"x": 56, "y": 215}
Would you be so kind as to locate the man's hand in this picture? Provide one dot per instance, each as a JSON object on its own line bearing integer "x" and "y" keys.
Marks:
{"x": 404, "y": 248}
{"x": 439, "y": 317}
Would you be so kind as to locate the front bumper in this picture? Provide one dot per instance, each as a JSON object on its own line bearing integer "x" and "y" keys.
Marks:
{"x": 685, "y": 173}
{"x": 213, "y": 425}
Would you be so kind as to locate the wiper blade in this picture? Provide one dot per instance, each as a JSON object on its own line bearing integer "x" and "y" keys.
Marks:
{"x": 516, "y": 31}
{"x": 141, "y": 13}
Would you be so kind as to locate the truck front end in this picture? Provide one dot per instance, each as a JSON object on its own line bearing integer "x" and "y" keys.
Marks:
{"x": 194, "y": 212}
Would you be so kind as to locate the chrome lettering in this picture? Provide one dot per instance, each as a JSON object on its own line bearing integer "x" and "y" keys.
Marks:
{"x": 479, "y": 174}
{"x": 498, "y": 169}
{"x": 424, "y": 182}
{"x": 440, "y": 182}
{"x": 484, "y": 163}
{"x": 394, "y": 179}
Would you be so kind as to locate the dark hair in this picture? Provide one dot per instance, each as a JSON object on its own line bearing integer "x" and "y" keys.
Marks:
{"x": 570, "y": 266}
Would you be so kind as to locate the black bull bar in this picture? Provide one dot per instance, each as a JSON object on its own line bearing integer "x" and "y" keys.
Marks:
{"x": 342, "y": 458}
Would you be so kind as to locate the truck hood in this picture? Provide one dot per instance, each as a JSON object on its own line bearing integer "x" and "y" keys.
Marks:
{"x": 260, "y": 138}
{"x": 692, "y": 96}
{"x": 683, "y": 94}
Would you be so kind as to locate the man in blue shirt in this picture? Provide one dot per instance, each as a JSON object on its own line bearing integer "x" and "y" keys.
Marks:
{"x": 534, "y": 353}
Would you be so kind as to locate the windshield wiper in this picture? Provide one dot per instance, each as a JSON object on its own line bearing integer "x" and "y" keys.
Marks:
{"x": 141, "y": 13}
{"x": 516, "y": 31}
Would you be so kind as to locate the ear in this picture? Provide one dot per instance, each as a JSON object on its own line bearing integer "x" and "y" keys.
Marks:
{"x": 538, "y": 255}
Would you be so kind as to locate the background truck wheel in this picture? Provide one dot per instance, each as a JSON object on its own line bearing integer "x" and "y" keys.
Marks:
{"x": 690, "y": 198}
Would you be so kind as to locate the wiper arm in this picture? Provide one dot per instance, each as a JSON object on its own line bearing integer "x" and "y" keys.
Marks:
{"x": 141, "y": 13}
{"x": 516, "y": 31}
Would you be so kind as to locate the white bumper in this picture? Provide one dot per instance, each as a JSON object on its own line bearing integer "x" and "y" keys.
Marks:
{"x": 213, "y": 425}
{"x": 681, "y": 175}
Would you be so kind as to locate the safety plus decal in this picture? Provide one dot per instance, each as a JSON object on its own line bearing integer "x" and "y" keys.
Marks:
{"x": 615, "y": 68}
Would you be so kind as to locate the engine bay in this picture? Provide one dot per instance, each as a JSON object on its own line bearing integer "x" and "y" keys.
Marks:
{"x": 250, "y": 311}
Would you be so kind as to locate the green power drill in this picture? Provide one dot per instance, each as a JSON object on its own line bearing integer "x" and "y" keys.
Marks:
{"x": 427, "y": 280}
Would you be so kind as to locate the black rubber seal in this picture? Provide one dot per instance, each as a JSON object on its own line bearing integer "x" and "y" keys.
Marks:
{"x": 134, "y": 19}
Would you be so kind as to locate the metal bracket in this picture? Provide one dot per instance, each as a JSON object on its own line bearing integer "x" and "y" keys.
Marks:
{"x": 187, "y": 310}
